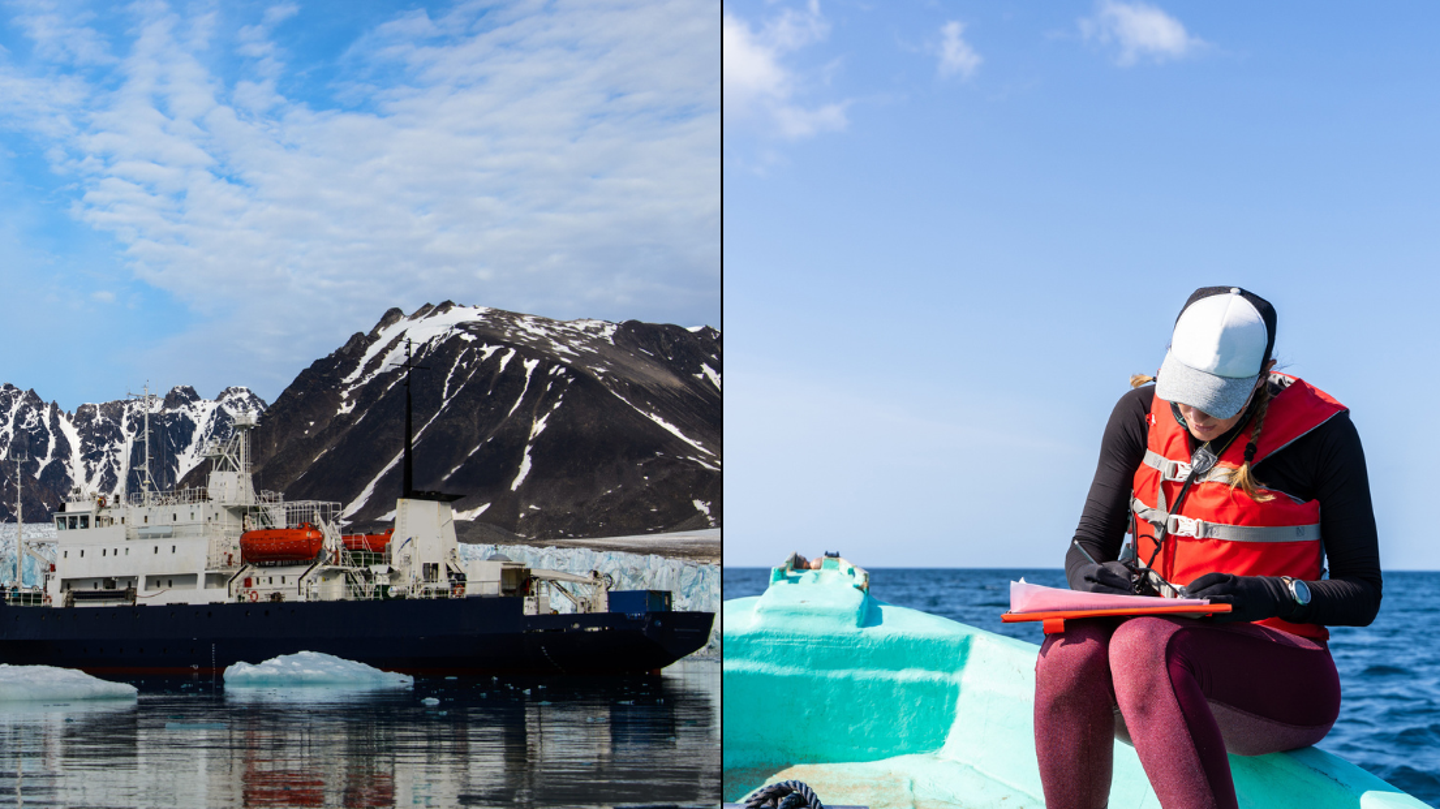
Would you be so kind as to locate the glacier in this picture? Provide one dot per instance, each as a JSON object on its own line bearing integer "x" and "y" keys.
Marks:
{"x": 39, "y": 532}
{"x": 696, "y": 586}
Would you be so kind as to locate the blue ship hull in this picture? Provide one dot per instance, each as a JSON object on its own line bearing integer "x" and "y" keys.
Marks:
{"x": 461, "y": 636}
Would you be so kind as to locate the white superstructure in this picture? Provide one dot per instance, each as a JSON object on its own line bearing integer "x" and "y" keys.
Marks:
{"x": 185, "y": 547}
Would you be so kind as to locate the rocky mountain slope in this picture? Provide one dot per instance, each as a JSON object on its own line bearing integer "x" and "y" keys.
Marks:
{"x": 547, "y": 429}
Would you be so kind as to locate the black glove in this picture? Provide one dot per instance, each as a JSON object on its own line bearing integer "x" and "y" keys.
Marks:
{"x": 1251, "y": 598}
{"x": 1110, "y": 577}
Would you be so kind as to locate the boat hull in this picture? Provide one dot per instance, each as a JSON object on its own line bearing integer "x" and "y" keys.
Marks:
{"x": 459, "y": 636}
{"x": 877, "y": 705}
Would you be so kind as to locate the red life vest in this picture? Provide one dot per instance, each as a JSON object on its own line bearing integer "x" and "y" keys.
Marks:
{"x": 1219, "y": 528}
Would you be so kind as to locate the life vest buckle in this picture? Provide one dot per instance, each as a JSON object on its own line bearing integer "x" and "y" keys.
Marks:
{"x": 1180, "y": 526}
{"x": 1177, "y": 471}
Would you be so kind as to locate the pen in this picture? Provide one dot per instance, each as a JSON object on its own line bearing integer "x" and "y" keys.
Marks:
{"x": 1086, "y": 553}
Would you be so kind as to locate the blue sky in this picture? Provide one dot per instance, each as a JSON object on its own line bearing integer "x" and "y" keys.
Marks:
{"x": 954, "y": 229}
{"x": 218, "y": 193}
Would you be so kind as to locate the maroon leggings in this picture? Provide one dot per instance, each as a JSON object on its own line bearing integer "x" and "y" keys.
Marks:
{"x": 1184, "y": 692}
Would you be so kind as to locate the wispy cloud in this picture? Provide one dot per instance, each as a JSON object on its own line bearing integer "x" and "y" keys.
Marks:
{"x": 956, "y": 55}
{"x": 759, "y": 87}
{"x": 555, "y": 159}
{"x": 61, "y": 34}
{"x": 1139, "y": 31}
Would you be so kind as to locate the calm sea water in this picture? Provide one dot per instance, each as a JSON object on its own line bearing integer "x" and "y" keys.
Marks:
{"x": 527, "y": 742}
{"x": 1389, "y": 671}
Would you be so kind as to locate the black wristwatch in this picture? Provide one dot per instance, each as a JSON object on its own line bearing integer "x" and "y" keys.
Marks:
{"x": 1299, "y": 591}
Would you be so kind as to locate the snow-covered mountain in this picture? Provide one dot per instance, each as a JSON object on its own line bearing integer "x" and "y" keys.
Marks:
{"x": 101, "y": 447}
{"x": 547, "y": 429}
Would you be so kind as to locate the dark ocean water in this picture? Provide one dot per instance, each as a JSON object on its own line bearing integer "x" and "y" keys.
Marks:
{"x": 526, "y": 742}
{"x": 1389, "y": 671}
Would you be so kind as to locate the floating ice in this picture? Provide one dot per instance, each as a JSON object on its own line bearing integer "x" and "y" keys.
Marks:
{"x": 51, "y": 684}
{"x": 312, "y": 669}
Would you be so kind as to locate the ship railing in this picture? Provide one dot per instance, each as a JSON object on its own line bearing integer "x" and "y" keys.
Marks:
{"x": 32, "y": 596}
{"x": 176, "y": 497}
{"x": 320, "y": 513}
{"x": 356, "y": 588}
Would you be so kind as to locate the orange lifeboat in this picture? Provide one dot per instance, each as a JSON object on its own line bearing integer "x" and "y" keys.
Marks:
{"x": 281, "y": 544}
{"x": 373, "y": 543}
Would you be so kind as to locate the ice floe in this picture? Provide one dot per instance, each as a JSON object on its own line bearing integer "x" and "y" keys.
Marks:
{"x": 51, "y": 684}
{"x": 304, "y": 669}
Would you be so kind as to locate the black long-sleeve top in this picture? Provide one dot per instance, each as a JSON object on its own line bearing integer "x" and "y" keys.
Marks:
{"x": 1326, "y": 464}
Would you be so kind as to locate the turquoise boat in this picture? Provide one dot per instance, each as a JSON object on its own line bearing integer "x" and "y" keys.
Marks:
{"x": 876, "y": 705}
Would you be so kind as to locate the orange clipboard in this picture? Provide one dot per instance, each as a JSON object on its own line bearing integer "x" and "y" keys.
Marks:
{"x": 1054, "y": 621}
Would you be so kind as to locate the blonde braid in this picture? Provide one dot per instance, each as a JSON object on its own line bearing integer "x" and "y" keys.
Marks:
{"x": 1244, "y": 477}
{"x": 1136, "y": 380}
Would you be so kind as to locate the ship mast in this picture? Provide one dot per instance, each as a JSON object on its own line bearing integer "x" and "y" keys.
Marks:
{"x": 147, "y": 483}
{"x": 407, "y": 483}
{"x": 19, "y": 518}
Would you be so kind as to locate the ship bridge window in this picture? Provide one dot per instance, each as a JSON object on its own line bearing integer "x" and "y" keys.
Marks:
{"x": 59, "y": 523}
{"x": 74, "y": 523}
{"x": 84, "y": 520}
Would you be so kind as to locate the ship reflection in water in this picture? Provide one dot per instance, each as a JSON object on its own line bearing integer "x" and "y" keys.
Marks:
{"x": 468, "y": 742}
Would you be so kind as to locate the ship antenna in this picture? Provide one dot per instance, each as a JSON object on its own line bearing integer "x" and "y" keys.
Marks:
{"x": 407, "y": 483}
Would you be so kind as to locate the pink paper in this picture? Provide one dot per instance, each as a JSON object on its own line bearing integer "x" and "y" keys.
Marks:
{"x": 1026, "y": 597}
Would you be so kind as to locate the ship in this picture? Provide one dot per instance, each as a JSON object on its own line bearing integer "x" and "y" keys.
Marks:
{"x": 189, "y": 581}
